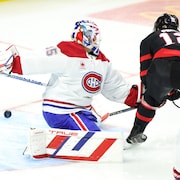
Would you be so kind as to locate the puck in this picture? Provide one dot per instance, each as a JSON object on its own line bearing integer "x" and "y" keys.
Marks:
{"x": 7, "y": 114}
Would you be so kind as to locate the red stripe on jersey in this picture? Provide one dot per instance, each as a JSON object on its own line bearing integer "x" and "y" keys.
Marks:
{"x": 79, "y": 122}
{"x": 145, "y": 57}
{"x": 143, "y": 118}
{"x": 164, "y": 52}
{"x": 73, "y": 49}
{"x": 143, "y": 73}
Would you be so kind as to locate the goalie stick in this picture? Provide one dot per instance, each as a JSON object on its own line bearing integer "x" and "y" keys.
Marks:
{"x": 24, "y": 79}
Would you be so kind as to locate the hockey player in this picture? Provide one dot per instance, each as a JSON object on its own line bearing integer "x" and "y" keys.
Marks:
{"x": 159, "y": 73}
{"x": 79, "y": 71}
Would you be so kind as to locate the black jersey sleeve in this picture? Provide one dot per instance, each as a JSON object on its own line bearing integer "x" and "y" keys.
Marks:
{"x": 145, "y": 59}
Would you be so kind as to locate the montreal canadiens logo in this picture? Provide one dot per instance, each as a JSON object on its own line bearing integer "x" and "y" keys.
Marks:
{"x": 91, "y": 82}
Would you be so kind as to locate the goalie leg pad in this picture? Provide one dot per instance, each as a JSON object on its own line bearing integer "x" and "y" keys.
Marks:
{"x": 76, "y": 145}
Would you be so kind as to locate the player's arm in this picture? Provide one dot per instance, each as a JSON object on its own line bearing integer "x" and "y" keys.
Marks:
{"x": 117, "y": 89}
{"x": 145, "y": 62}
{"x": 36, "y": 62}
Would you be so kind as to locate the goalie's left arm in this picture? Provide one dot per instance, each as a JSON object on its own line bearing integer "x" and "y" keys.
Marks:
{"x": 34, "y": 62}
{"x": 117, "y": 89}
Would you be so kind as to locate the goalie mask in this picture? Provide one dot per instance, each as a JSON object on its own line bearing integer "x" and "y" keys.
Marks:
{"x": 166, "y": 21}
{"x": 87, "y": 34}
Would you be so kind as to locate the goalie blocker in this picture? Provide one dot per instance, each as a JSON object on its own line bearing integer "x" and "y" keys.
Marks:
{"x": 75, "y": 145}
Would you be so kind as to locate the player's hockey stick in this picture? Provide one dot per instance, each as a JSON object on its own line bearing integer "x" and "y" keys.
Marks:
{"x": 115, "y": 113}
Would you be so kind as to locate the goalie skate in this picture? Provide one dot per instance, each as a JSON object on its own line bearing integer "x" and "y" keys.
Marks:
{"x": 139, "y": 138}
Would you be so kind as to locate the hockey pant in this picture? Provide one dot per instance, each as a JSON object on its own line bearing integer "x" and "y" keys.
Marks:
{"x": 82, "y": 120}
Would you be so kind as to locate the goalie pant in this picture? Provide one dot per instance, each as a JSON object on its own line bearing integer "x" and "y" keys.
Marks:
{"x": 76, "y": 77}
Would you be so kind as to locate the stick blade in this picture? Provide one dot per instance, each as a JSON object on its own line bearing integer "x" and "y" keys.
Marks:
{"x": 104, "y": 117}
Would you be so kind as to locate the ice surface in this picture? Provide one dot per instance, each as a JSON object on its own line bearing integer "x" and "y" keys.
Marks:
{"x": 34, "y": 24}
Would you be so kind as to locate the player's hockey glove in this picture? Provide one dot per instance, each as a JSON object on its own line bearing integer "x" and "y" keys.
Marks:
{"x": 131, "y": 99}
{"x": 173, "y": 95}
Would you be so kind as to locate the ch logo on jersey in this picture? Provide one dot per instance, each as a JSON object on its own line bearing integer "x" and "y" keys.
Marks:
{"x": 91, "y": 82}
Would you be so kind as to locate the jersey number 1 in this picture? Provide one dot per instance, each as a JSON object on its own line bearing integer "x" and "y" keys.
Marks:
{"x": 168, "y": 39}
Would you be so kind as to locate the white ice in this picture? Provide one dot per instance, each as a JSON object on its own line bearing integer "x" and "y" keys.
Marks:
{"x": 33, "y": 24}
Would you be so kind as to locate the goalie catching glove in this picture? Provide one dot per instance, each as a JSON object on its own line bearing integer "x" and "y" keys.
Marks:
{"x": 7, "y": 58}
{"x": 132, "y": 97}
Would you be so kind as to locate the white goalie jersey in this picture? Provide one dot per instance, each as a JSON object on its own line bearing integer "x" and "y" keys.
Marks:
{"x": 76, "y": 77}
